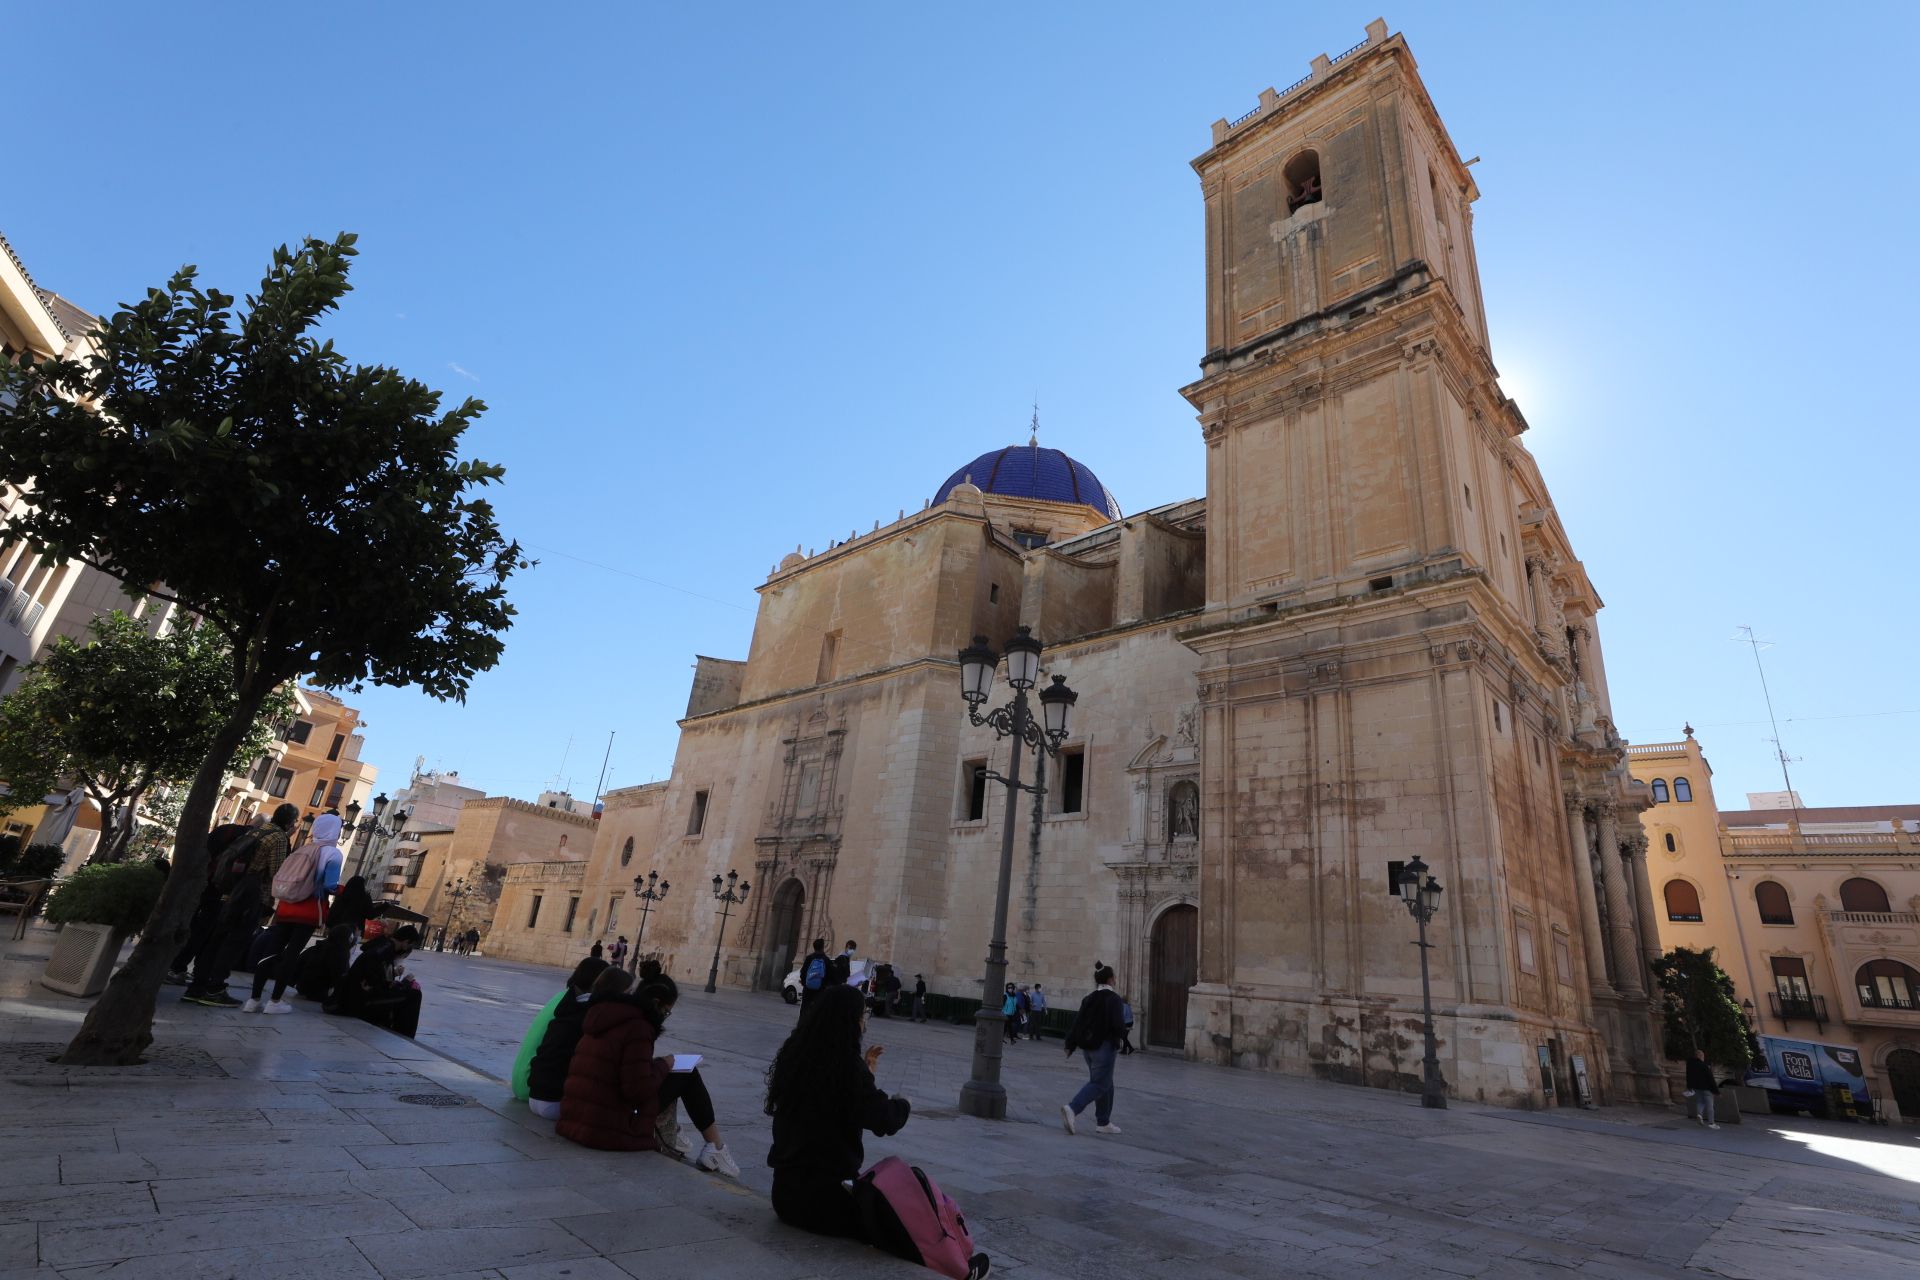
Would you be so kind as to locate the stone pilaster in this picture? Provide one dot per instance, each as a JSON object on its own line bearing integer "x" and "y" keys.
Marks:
{"x": 1620, "y": 914}
{"x": 1643, "y": 890}
{"x": 1595, "y": 943}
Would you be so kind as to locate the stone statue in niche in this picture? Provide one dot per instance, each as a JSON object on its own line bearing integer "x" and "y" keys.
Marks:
{"x": 1185, "y": 728}
{"x": 1183, "y": 812}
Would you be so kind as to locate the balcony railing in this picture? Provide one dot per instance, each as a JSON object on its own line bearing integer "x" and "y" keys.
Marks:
{"x": 1873, "y": 998}
{"x": 1798, "y": 1008}
{"x": 1874, "y": 917}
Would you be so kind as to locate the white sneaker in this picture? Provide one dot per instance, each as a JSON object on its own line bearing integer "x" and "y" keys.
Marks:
{"x": 277, "y": 1006}
{"x": 1107, "y": 1128}
{"x": 718, "y": 1159}
{"x": 1713, "y": 1126}
{"x": 251, "y": 1006}
{"x": 1066, "y": 1118}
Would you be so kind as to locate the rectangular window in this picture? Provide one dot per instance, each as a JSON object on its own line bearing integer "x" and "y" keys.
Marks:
{"x": 339, "y": 740}
{"x": 1073, "y": 780}
{"x": 415, "y": 867}
{"x": 973, "y": 790}
{"x": 697, "y": 818}
{"x": 1393, "y": 877}
{"x": 573, "y": 910}
{"x": 319, "y": 792}
{"x": 993, "y": 593}
{"x": 282, "y": 779}
{"x": 300, "y": 732}
{"x": 533, "y": 912}
{"x": 829, "y": 654}
{"x": 1790, "y": 980}
{"x": 1499, "y": 717}
{"x": 613, "y": 913}
{"x": 334, "y": 792}
{"x": 260, "y": 771}
{"x": 1562, "y": 959}
{"x": 1523, "y": 938}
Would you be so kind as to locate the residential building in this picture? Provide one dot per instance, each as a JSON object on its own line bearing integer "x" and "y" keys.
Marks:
{"x": 314, "y": 763}
{"x": 1813, "y": 912}
{"x": 1371, "y": 638}
{"x": 454, "y": 876}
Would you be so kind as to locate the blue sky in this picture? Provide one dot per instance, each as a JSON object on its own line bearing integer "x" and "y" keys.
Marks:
{"x": 733, "y": 280}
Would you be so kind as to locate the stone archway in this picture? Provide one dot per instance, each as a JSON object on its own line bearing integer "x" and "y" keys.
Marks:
{"x": 1173, "y": 965}
{"x": 1903, "y": 1081}
{"x": 783, "y": 934}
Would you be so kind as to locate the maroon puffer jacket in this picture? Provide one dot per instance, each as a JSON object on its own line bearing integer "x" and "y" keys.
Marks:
{"x": 612, "y": 1098}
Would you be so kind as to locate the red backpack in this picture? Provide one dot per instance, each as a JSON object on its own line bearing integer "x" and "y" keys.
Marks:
{"x": 909, "y": 1216}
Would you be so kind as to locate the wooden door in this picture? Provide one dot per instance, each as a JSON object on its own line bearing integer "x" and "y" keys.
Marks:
{"x": 1903, "y": 1077}
{"x": 1175, "y": 965}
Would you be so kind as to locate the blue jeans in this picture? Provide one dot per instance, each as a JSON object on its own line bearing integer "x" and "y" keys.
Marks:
{"x": 1099, "y": 1086}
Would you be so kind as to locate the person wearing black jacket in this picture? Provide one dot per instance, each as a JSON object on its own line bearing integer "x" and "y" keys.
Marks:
{"x": 321, "y": 966}
{"x": 376, "y": 988}
{"x": 821, "y": 1095}
{"x": 1705, "y": 1088}
{"x": 1097, "y": 1032}
{"x": 352, "y": 906}
{"x": 547, "y": 1073}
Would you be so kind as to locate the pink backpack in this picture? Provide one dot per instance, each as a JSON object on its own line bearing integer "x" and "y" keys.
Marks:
{"x": 298, "y": 878}
{"x": 908, "y": 1215}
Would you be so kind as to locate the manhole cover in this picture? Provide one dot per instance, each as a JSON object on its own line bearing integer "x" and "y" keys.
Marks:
{"x": 434, "y": 1099}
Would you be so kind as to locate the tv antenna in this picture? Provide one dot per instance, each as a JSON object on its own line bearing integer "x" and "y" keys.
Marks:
{"x": 1786, "y": 776}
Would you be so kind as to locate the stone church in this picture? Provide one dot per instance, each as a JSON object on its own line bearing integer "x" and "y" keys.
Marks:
{"x": 1370, "y": 639}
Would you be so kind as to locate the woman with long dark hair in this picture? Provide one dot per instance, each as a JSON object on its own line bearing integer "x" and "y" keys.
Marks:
{"x": 352, "y": 906}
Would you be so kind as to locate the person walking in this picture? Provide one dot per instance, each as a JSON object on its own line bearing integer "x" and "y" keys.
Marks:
{"x": 816, "y": 974}
{"x": 1037, "y": 1006}
{"x": 616, "y": 1087}
{"x": 919, "y": 998}
{"x": 1704, "y": 1087}
{"x": 843, "y": 963}
{"x": 619, "y": 952}
{"x": 473, "y": 941}
{"x": 295, "y": 918}
{"x": 1097, "y": 1032}
{"x": 1010, "y": 1014}
{"x": 244, "y": 888}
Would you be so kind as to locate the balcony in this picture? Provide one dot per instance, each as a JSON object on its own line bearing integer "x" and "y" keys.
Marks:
{"x": 1871, "y": 998}
{"x": 1798, "y": 1008}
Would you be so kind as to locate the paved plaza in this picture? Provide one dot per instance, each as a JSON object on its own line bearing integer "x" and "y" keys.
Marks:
{"x": 313, "y": 1146}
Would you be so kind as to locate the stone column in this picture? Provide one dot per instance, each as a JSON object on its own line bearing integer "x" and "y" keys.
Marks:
{"x": 1643, "y": 894}
{"x": 1620, "y": 930}
{"x": 1589, "y": 902}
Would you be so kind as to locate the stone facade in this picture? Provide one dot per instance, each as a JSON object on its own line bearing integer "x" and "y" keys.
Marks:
{"x": 1371, "y": 639}
{"x": 490, "y": 837}
{"x": 1811, "y": 911}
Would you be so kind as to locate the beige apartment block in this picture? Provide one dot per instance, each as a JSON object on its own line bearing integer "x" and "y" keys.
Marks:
{"x": 490, "y": 837}
{"x": 1370, "y": 639}
{"x": 313, "y": 764}
{"x": 1813, "y": 912}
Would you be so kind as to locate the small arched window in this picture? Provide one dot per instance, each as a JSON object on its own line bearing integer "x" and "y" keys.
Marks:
{"x": 1302, "y": 178}
{"x": 1861, "y": 894}
{"x": 1887, "y": 984}
{"x": 1773, "y": 903}
{"x": 1659, "y": 790}
{"x": 626, "y": 852}
{"x": 1682, "y": 791}
{"x": 1683, "y": 901}
{"x": 1672, "y": 845}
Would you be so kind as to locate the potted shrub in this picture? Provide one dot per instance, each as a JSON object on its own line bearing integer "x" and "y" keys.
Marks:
{"x": 96, "y": 908}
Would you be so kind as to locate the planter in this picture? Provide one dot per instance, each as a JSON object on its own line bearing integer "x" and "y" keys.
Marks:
{"x": 82, "y": 959}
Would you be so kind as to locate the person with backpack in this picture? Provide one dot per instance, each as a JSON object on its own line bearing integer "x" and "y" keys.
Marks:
{"x": 207, "y": 915}
{"x": 816, "y": 974}
{"x": 1010, "y": 1014}
{"x": 301, "y": 888}
{"x": 822, "y": 1097}
{"x": 1097, "y": 1032}
{"x": 243, "y": 879}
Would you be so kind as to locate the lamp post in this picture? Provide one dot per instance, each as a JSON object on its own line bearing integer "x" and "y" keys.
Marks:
{"x": 647, "y": 890}
{"x": 454, "y": 897}
{"x": 728, "y": 896}
{"x": 983, "y": 1095}
{"x": 1423, "y": 900}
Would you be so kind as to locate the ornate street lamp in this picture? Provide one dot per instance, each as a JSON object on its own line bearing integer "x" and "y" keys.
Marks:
{"x": 647, "y": 890}
{"x": 728, "y": 896}
{"x": 983, "y": 1095}
{"x": 1423, "y": 900}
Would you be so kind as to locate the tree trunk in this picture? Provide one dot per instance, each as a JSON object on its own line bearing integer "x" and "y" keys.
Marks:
{"x": 119, "y": 1027}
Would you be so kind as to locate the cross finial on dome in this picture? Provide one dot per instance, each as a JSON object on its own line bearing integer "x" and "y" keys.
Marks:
{"x": 1033, "y": 438}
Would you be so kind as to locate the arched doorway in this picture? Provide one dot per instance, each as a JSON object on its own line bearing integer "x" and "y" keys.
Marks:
{"x": 783, "y": 934}
{"x": 1174, "y": 965}
{"x": 1903, "y": 1078}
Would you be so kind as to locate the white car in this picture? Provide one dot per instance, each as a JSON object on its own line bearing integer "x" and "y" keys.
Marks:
{"x": 857, "y": 974}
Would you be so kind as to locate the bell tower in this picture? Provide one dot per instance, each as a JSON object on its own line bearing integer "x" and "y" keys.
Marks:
{"x": 1383, "y": 673}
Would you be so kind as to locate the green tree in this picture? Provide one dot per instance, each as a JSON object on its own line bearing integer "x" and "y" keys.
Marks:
{"x": 120, "y": 716}
{"x": 315, "y": 512}
{"x": 1699, "y": 1009}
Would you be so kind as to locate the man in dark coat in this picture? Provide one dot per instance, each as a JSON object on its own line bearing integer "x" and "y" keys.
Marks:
{"x": 240, "y": 911}
{"x": 1097, "y": 1032}
{"x": 1705, "y": 1087}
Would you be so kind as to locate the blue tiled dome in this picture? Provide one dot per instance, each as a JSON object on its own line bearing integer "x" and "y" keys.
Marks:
{"x": 1029, "y": 471}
